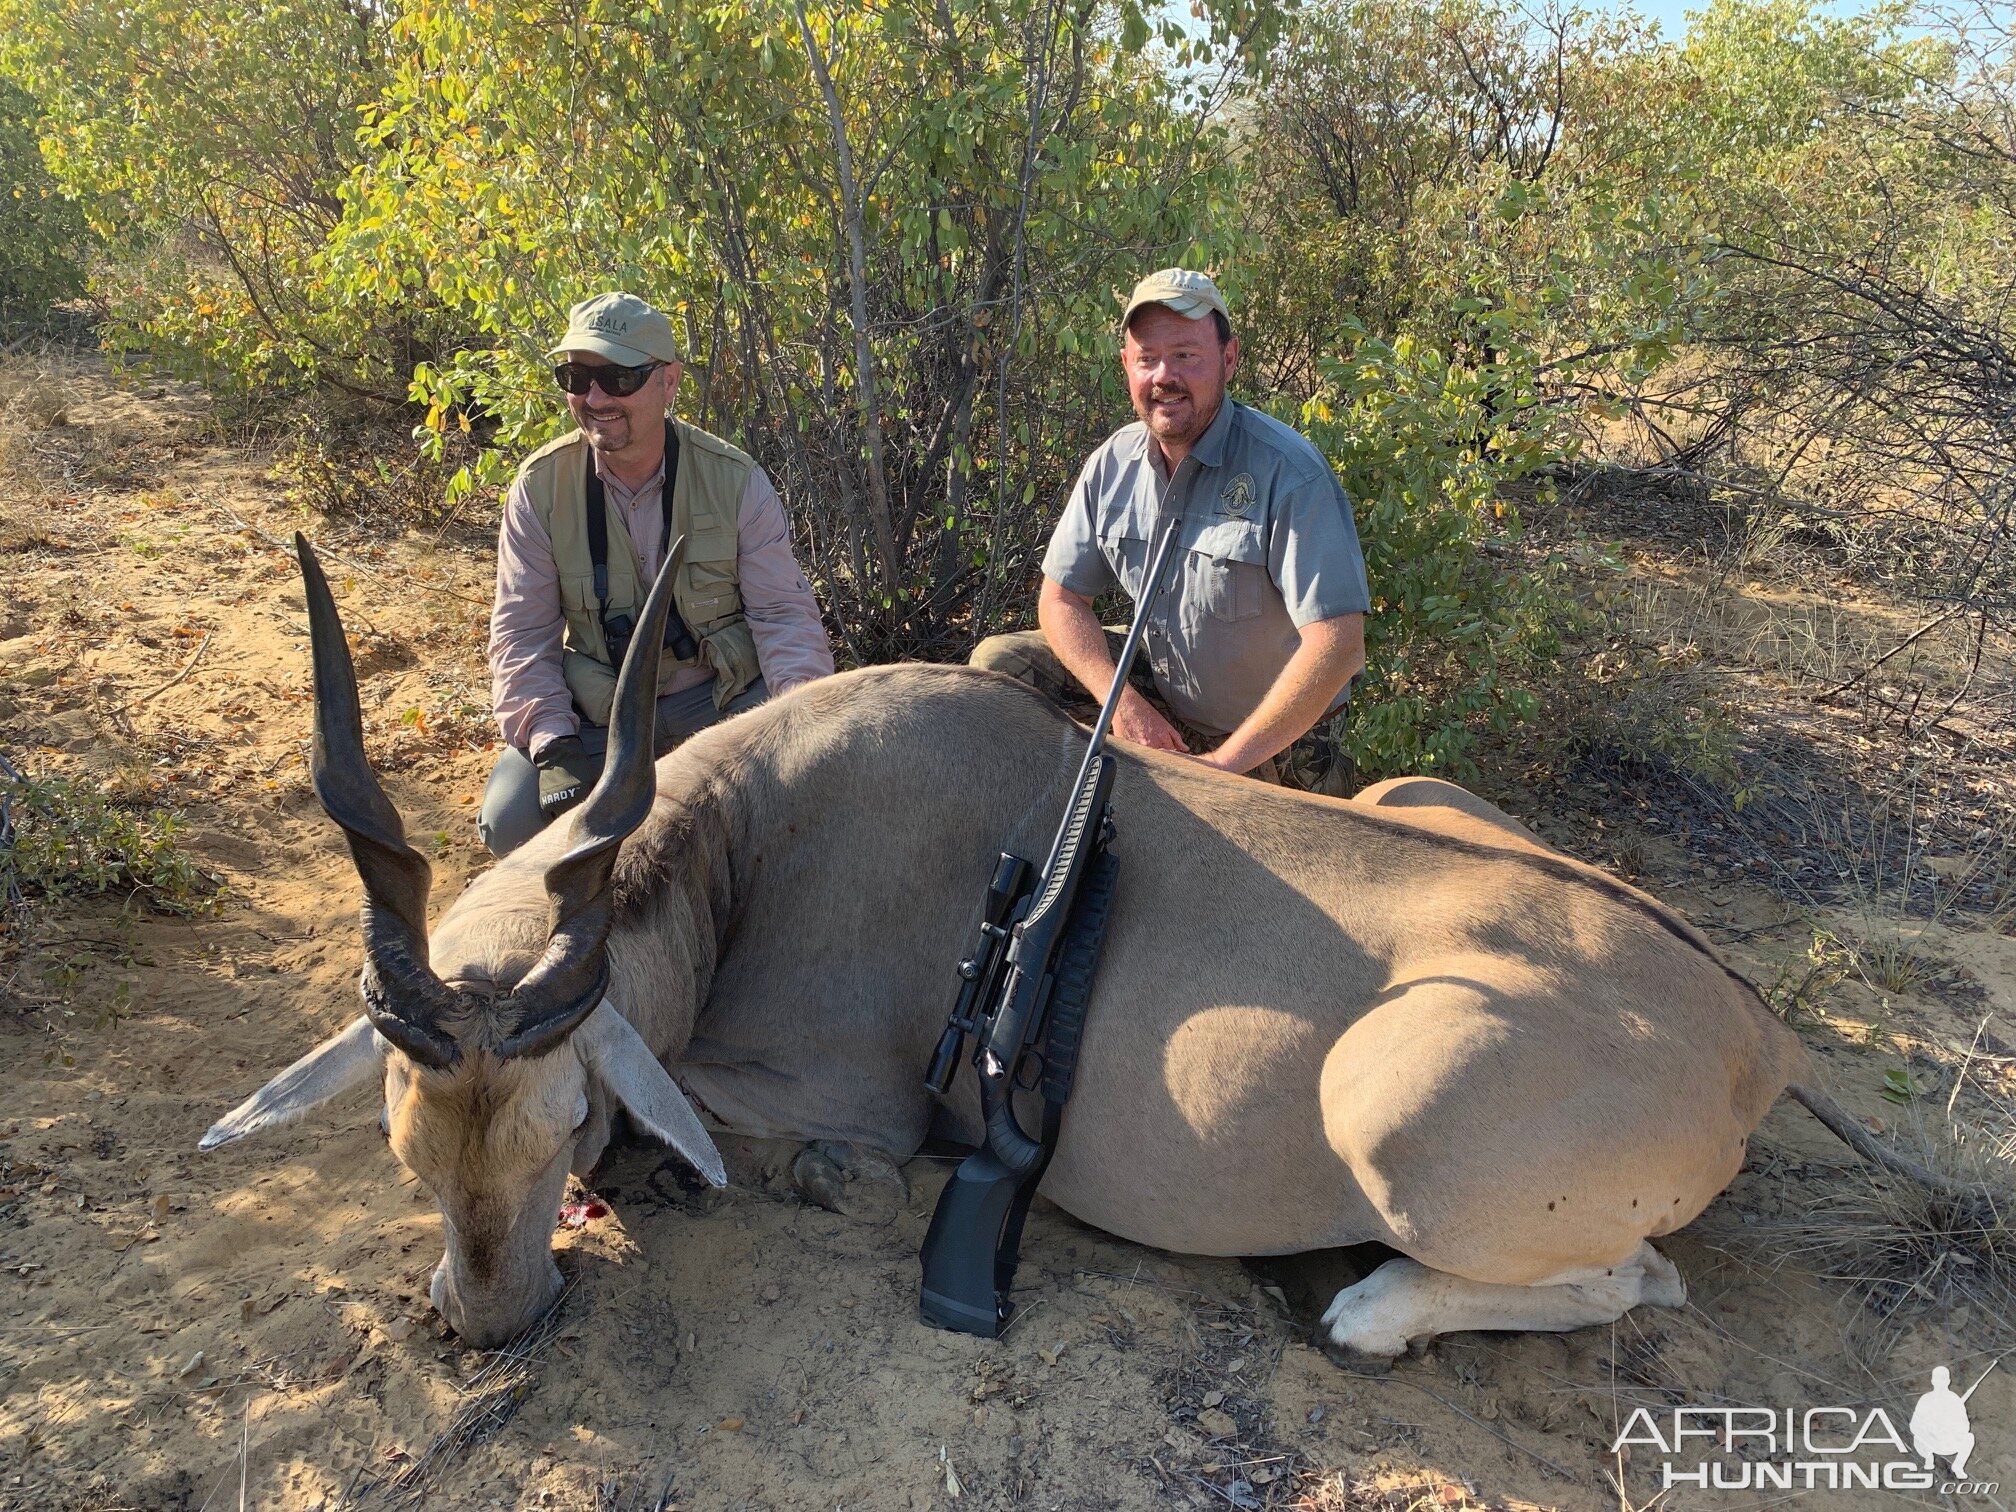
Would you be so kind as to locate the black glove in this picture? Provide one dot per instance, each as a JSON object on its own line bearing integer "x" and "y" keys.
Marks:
{"x": 566, "y": 773}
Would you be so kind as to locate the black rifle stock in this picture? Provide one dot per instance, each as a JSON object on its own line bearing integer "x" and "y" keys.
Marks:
{"x": 1024, "y": 989}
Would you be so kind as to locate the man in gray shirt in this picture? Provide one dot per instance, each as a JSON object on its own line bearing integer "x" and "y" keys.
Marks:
{"x": 1260, "y": 628}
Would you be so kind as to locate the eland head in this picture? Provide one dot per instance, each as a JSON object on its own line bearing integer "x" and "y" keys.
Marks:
{"x": 491, "y": 1073}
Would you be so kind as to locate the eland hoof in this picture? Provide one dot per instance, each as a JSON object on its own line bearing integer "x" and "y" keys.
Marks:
{"x": 1357, "y": 1361}
{"x": 818, "y": 1179}
{"x": 860, "y": 1162}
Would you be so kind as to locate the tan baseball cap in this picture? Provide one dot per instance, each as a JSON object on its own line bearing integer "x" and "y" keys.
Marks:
{"x": 1190, "y": 294}
{"x": 622, "y": 328}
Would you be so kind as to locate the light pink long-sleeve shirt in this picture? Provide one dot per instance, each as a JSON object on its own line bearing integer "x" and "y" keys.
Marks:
{"x": 526, "y": 626}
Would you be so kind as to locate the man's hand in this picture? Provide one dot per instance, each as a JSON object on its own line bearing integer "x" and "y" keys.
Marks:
{"x": 566, "y": 773}
{"x": 1139, "y": 721}
{"x": 1079, "y": 641}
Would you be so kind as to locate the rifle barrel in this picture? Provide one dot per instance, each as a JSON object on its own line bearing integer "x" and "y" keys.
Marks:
{"x": 1979, "y": 1379}
{"x": 1165, "y": 541}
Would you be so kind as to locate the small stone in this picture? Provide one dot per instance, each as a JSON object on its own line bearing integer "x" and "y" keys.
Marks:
{"x": 729, "y": 1425}
{"x": 399, "y": 1330}
{"x": 1238, "y": 1364}
{"x": 1213, "y": 1398}
{"x": 195, "y": 1364}
{"x": 734, "y": 1317}
{"x": 1217, "y": 1423}
{"x": 771, "y": 1293}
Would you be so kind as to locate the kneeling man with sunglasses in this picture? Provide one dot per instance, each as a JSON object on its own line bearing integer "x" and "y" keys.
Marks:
{"x": 586, "y": 526}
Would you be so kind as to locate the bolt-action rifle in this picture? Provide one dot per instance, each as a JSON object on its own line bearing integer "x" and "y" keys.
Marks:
{"x": 1024, "y": 985}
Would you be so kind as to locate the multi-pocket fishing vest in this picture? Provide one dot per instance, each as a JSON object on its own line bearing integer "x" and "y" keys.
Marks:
{"x": 704, "y": 485}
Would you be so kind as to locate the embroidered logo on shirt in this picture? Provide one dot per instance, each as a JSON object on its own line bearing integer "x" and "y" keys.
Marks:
{"x": 1239, "y": 496}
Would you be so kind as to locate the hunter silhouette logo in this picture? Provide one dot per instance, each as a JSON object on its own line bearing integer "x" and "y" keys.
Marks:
{"x": 1833, "y": 1448}
{"x": 1239, "y": 496}
{"x": 1939, "y": 1424}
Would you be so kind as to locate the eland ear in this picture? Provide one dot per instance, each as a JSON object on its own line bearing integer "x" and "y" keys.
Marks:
{"x": 332, "y": 1068}
{"x": 617, "y": 1056}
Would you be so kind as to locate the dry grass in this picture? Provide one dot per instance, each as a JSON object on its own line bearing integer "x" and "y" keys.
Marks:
{"x": 490, "y": 1399}
{"x": 1904, "y": 1252}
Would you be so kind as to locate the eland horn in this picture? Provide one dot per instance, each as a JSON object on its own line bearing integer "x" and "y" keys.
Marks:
{"x": 405, "y": 1001}
{"x": 568, "y": 981}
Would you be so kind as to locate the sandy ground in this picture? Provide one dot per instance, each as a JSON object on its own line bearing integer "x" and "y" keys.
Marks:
{"x": 251, "y": 1328}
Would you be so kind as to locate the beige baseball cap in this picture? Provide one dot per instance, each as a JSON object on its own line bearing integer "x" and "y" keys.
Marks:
{"x": 622, "y": 328}
{"x": 1190, "y": 294}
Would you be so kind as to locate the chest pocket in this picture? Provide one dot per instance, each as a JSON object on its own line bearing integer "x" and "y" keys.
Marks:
{"x": 710, "y": 575}
{"x": 1124, "y": 545}
{"x": 1225, "y": 574}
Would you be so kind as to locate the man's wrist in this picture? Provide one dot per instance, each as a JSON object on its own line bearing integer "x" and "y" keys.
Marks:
{"x": 1237, "y": 753}
{"x": 542, "y": 738}
{"x": 1229, "y": 759}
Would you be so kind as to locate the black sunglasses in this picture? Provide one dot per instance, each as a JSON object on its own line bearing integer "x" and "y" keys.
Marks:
{"x": 617, "y": 382}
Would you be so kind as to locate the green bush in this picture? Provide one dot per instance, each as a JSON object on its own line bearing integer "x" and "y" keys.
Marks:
{"x": 357, "y": 468}
{"x": 63, "y": 838}
{"x": 209, "y": 147}
{"x": 43, "y": 238}
{"x": 1426, "y": 449}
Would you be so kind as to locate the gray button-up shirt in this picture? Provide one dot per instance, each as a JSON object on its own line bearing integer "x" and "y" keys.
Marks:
{"x": 1267, "y": 545}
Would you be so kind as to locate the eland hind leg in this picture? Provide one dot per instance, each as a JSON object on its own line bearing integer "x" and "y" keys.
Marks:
{"x": 1434, "y": 793}
{"x": 1519, "y": 1148}
{"x": 1405, "y": 1303}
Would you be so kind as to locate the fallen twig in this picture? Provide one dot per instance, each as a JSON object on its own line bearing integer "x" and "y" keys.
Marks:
{"x": 1954, "y": 1095}
{"x": 201, "y": 646}
{"x": 330, "y": 556}
{"x": 1909, "y": 640}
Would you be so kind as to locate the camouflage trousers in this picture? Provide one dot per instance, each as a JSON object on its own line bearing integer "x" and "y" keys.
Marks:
{"x": 1315, "y": 764}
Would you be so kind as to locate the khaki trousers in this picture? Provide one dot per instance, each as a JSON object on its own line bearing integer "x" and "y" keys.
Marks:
{"x": 1315, "y": 764}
